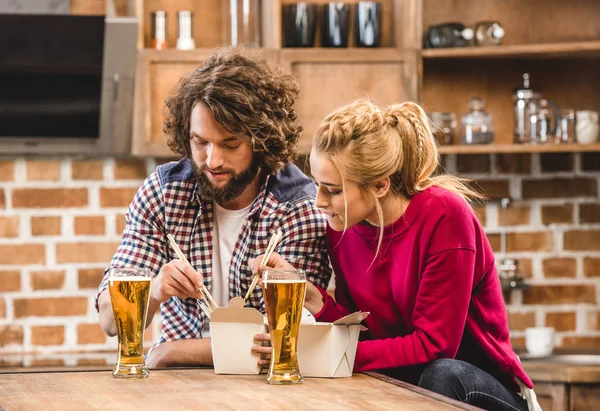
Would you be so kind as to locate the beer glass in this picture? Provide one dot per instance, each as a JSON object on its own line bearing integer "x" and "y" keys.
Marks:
{"x": 284, "y": 292}
{"x": 129, "y": 294}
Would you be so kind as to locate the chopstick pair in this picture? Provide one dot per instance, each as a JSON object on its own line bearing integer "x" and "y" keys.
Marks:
{"x": 207, "y": 302}
{"x": 270, "y": 248}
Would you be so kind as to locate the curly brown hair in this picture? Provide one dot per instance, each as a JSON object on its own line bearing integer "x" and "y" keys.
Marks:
{"x": 247, "y": 97}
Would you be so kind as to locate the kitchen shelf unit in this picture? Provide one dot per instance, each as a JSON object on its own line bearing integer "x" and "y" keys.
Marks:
{"x": 518, "y": 148}
{"x": 561, "y": 51}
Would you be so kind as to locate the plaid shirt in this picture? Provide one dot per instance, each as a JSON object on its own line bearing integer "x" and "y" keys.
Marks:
{"x": 168, "y": 202}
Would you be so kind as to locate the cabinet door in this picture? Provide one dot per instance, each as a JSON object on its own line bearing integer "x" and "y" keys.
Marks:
{"x": 585, "y": 397}
{"x": 552, "y": 396}
{"x": 157, "y": 75}
{"x": 335, "y": 78}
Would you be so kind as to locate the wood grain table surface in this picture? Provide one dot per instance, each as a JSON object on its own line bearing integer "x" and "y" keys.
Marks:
{"x": 196, "y": 388}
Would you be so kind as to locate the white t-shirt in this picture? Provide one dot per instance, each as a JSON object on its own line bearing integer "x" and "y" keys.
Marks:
{"x": 226, "y": 230}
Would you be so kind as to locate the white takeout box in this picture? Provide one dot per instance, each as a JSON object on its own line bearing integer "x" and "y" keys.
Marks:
{"x": 324, "y": 349}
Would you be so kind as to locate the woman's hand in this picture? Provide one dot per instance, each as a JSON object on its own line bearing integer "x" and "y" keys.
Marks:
{"x": 264, "y": 350}
{"x": 313, "y": 300}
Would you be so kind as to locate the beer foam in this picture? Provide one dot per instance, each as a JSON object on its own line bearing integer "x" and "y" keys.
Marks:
{"x": 129, "y": 278}
{"x": 285, "y": 281}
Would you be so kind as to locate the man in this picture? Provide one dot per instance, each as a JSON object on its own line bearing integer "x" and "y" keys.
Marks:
{"x": 233, "y": 122}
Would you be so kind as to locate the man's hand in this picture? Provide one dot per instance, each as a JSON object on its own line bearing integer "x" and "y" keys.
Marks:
{"x": 181, "y": 353}
{"x": 176, "y": 279}
{"x": 264, "y": 350}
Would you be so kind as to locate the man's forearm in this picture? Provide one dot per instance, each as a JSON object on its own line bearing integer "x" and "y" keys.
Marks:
{"x": 181, "y": 353}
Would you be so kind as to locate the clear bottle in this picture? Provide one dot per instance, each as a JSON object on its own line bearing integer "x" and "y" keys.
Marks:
{"x": 159, "y": 30}
{"x": 566, "y": 132}
{"x": 488, "y": 33}
{"x": 477, "y": 126}
{"x": 241, "y": 23}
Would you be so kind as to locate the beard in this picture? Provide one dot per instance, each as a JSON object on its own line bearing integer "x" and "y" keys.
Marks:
{"x": 234, "y": 188}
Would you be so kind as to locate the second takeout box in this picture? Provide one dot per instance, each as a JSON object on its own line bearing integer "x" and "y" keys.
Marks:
{"x": 324, "y": 349}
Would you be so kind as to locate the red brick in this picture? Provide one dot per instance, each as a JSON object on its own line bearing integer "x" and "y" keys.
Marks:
{"x": 85, "y": 252}
{"x": 559, "y": 214}
{"x": 593, "y": 320}
{"x": 520, "y": 321}
{"x": 582, "y": 240}
{"x": 87, "y": 170}
{"x": 7, "y": 170}
{"x": 473, "y": 163}
{"x": 494, "y": 240}
{"x": 47, "y": 362}
{"x": 9, "y": 226}
{"x": 537, "y": 241}
{"x": 41, "y": 226}
{"x": 525, "y": 267}
{"x": 492, "y": 189}
{"x": 513, "y": 163}
{"x": 2, "y": 199}
{"x": 582, "y": 343}
{"x": 517, "y": 215}
{"x": 90, "y": 334}
{"x": 10, "y": 281}
{"x": 116, "y": 197}
{"x": 43, "y": 170}
{"x": 120, "y": 224}
{"x": 559, "y": 188}
{"x": 48, "y": 335}
{"x": 90, "y": 278}
{"x": 91, "y": 361}
{"x": 559, "y": 267}
{"x": 90, "y": 225}
{"x": 47, "y": 280}
{"x": 518, "y": 343}
{"x": 48, "y": 307}
{"x": 560, "y": 294}
{"x": 562, "y": 321}
{"x": 591, "y": 267}
{"x": 552, "y": 162}
{"x": 23, "y": 254}
{"x": 589, "y": 213}
{"x": 130, "y": 169}
{"x": 88, "y": 7}
{"x": 11, "y": 334}
{"x": 481, "y": 214}
{"x": 50, "y": 197}
{"x": 2, "y": 308}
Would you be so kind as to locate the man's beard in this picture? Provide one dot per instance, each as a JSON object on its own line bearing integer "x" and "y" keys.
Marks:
{"x": 234, "y": 188}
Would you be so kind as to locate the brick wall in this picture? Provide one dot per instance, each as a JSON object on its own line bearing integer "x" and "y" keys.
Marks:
{"x": 61, "y": 220}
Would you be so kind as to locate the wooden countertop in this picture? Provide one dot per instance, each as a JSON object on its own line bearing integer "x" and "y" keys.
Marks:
{"x": 196, "y": 388}
{"x": 548, "y": 371}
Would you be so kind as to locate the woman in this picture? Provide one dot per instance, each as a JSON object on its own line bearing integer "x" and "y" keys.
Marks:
{"x": 407, "y": 247}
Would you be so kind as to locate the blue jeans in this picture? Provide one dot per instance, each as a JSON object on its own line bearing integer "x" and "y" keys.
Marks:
{"x": 465, "y": 382}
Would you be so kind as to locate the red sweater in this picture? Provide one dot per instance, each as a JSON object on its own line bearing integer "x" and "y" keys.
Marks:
{"x": 433, "y": 291}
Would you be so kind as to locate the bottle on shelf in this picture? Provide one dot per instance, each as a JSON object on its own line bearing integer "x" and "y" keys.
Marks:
{"x": 185, "y": 39}
{"x": 448, "y": 35}
{"x": 488, "y": 33}
{"x": 159, "y": 30}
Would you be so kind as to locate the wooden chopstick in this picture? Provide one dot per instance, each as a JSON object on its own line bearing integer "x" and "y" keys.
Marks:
{"x": 211, "y": 304}
{"x": 270, "y": 248}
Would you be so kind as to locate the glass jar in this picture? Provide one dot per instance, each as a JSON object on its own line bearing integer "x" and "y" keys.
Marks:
{"x": 477, "y": 126}
{"x": 444, "y": 127}
{"x": 566, "y": 129}
{"x": 241, "y": 23}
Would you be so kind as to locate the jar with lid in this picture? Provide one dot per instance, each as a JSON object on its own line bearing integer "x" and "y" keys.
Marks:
{"x": 444, "y": 127}
{"x": 477, "y": 126}
{"x": 488, "y": 33}
{"x": 241, "y": 23}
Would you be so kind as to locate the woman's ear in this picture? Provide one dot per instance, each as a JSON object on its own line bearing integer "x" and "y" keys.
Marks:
{"x": 382, "y": 187}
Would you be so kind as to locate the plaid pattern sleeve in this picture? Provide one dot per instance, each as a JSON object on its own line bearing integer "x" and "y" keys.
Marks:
{"x": 303, "y": 242}
{"x": 143, "y": 241}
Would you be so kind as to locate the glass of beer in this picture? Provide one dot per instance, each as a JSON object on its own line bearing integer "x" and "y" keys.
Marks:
{"x": 129, "y": 294}
{"x": 284, "y": 292}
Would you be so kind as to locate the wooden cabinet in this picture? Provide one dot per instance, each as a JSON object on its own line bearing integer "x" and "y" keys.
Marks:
{"x": 556, "y": 42}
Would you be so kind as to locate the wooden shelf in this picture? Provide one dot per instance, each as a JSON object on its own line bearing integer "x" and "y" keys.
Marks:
{"x": 579, "y": 49}
{"x": 518, "y": 148}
